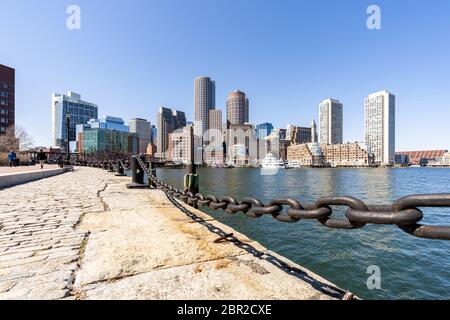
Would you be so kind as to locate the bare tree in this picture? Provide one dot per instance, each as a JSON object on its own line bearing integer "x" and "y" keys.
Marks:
{"x": 15, "y": 138}
{"x": 25, "y": 140}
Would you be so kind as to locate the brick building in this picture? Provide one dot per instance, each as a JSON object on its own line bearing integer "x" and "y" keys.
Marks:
{"x": 7, "y": 98}
{"x": 423, "y": 157}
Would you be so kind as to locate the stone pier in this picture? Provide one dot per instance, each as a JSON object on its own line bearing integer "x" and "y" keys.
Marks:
{"x": 83, "y": 235}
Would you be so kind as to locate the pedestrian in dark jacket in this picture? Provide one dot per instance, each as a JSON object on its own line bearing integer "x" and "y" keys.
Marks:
{"x": 12, "y": 157}
{"x": 41, "y": 158}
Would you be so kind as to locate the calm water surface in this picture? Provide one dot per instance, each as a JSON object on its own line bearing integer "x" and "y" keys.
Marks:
{"x": 410, "y": 267}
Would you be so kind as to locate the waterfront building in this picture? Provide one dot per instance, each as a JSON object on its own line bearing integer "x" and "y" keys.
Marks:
{"x": 379, "y": 126}
{"x": 445, "y": 161}
{"x": 241, "y": 145}
{"x": 7, "y": 98}
{"x": 99, "y": 140}
{"x": 237, "y": 108}
{"x": 331, "y": 121}
{"x": 263, "y": 130}
{"x": 79, "y": 111}
{"x": 401, "y": 159}
{"x": 204, "y": 101}
{"x": 422, "y": 157}
{"x": 314, "y": 135}
{"x": 306, "y": 154}
{"x": 142, "y": 128}
{"x": 355, "y": 154}
{"x": 109, "y": 122}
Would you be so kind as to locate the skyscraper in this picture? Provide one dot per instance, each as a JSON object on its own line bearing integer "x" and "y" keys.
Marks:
{"x": 379, "y": 126}
{"x": 205, "y": 100}
{"x": 314, "y": 136}
{"x": 237, "y": 108}
{"x": 80, "y": 113}
{"x": 142, "y": 128}
{"x": 331, "y": 121}
{"x": 167, "y": 122}
{"x": 215, "y": 120}
{"x": 7, "y": 98}
{"x": 179, "y": 120}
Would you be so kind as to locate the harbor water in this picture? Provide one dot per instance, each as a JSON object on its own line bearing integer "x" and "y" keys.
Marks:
{"x": 411, "y": 268}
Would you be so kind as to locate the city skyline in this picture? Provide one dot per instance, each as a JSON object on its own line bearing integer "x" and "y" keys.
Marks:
{"x": 419, "y": 85}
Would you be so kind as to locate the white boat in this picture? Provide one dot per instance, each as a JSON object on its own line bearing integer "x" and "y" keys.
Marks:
{"x": 271, "y": 162}
{"x": 292, "y": 164}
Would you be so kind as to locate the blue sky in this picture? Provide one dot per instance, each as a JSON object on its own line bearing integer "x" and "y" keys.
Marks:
{"x": 130, "y": 57}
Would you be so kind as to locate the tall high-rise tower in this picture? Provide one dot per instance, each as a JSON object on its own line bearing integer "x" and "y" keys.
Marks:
{"x": 168, "y": 121}
{"x": 165, "y": 126}
{"x": 237, "y": 108}
{"x": 331, "y": 121}
{"x": 205, "y": 100}
{"x": 379, "y": 126}
{"x": 314, "y": 136}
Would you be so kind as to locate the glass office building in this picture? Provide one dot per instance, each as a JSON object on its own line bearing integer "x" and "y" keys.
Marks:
{"x": 80, "y": 113}
{"x": 106, "y": 140}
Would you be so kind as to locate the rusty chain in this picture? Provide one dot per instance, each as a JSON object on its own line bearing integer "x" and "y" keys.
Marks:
{"x": 403, "y": 213}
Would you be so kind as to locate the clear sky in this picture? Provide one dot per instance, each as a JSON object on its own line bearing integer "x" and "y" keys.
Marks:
{"x": 130, "y": 57}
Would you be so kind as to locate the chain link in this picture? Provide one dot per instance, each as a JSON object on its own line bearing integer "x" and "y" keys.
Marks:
{"x": 403, "y": 213}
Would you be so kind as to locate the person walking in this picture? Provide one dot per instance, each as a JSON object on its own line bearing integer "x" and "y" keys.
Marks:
{"x": 12, "y": 157}
{"x": 60, "y": 162}
{"x": 41, "y": 157}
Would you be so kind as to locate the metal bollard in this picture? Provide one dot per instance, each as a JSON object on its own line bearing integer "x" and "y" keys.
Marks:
{"x": 120, "y": 169}
{"x": 191, "y": 183}
{"x": 137, "y": 175}
{"x": 152, "y": 171}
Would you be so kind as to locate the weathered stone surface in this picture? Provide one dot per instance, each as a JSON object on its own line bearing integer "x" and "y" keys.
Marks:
{"x": 84, "y": 235}
{"x": 39, "y": 246}
{"x": 140, "y": 241}
{"x": 244, "y": 277}
{"x": 163, "y": 249}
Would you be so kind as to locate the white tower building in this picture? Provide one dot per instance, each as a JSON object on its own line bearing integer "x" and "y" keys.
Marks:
{"x": 331, "y": 121}
{"x": 379, "y": 126}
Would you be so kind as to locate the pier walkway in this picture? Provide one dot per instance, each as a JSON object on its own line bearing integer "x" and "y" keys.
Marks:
{"x": 83, "y": 235}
